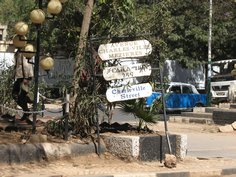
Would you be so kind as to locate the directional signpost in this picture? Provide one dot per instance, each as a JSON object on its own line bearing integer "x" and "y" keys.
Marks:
{"x": 123, "y": 72}
{"x": 124, "y": 50}
{"x": 129, "y": 92}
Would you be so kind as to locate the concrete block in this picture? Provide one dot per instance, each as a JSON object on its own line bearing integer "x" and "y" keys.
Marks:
{"x": 175, "y": 174}
{"x": 234, "y": 125}
{"x": 228, "y": 171}
{"x": 201, "y": 120}
{"x": 145, "y": 147}
{"x": 21, "y": 153}
{"x": 185, "y": 119}
{"x": 226, "y": 129}
{"x": 81, "y": 149}
{"x": 223, "y": 117}
{"x": 181, "y": 146}
{"x": 55, "y": 150}
{"x": 196, "y": 114}
{"x": 232, "y": 106}
{"x": 122, "y": 145}
{"x": 175, "y": 119}
{"x": 199, "y": 109}
{"x": 150, "y": 148}
{"x": 211, "y": 109}
{"x": 224, "y": 105}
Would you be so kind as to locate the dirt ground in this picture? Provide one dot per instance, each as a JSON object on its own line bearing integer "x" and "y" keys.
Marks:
{"x": 106, "y": 164}
{"x": 23, "y": 136}
{"x": 23, "y": 133}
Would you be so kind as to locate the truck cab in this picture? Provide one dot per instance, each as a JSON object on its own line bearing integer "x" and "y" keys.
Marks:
{"x": 223, "y": 81}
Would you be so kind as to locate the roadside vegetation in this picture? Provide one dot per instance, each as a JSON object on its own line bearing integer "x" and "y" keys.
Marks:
{"x": 177, "y": 30}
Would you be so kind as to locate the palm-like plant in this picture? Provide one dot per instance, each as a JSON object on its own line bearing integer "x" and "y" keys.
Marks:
{"x": 138, "y": 109}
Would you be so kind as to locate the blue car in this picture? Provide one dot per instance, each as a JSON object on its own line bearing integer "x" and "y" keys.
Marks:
{"x": 179, "y": 96}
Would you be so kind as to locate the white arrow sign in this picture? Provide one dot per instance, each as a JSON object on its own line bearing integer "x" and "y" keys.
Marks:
{"x": 124, "y": 50}
{"x": 129, "y": 92}
{"x": 127, "y": 71}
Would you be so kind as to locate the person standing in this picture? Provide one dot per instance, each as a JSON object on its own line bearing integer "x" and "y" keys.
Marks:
{"x": 21, "y": 87}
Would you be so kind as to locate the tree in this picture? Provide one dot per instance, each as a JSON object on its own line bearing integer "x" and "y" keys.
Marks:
{"x": 224, "y": 20}
{"x": 84, "y": 101}
{"x": 177, "y": 30}
{"x": 82, "y": 44}
{"x": 187, "y": 42}
{"x": 75, "y": 91}
{"x": 13, "y": 11}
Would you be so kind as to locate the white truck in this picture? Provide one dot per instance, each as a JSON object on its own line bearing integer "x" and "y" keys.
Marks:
{"x": 223, "y": 83}
{"x": 174, "y": 72}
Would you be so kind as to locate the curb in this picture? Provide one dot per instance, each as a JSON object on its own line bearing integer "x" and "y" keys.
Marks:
{"x": 180, "y": 119}
{"x": 209, "y": 173}
{"x": 21, "y": 153}
{"x": 228, "y": 171}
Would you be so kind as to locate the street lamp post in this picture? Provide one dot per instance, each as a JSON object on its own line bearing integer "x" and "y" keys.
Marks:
{"x": 37, "y": 16}
{"x": 36, "y": 74}
{"x": 209, "y": 56}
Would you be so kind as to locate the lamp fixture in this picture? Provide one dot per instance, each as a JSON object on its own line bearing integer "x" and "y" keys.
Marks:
{"x": 19, "y": 41}
{"x": 28, "y": 51}
{"x": 54, "y": 7}
{"x": 21, "y": 28}
{"x": 37, "y": 16}
{"x": 46, "y": 63}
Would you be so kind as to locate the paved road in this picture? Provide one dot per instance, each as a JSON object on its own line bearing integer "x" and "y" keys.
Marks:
{"x": 200, "y": 144}
{"x": 212, "y": 145}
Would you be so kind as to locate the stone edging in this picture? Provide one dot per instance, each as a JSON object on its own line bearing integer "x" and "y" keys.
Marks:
{"x": 21, "y": 153}
{"x": 146, "y": 147}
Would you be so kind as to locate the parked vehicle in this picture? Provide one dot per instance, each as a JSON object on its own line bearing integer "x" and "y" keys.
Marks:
{"x": 222, "y": 81}
{"x": 179, "y": 96}
{"x": 174, "y": 72}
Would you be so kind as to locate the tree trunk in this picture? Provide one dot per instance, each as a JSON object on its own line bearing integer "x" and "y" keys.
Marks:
{"x": 80, "y": 52}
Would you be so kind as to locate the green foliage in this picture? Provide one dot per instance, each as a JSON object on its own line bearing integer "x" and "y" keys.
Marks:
{"x": 114, "y": 24}
{"x": 187, "y": 42}
{"x": 85, "y": 118}
{"x": 6, "y": 83}
{"x": 62, "y": 32}
{"x": 56, "y": 127}
{"x": 13, "y": 11}
{"x": 224, "y": 30}
{"x": 177, "y": 30}
{"x": 138, "y": 109}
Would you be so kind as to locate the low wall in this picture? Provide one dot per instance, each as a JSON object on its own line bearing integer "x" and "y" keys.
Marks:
{"x": 23, "y": 153}
{"x": 223, "y": 117}
{"x": 145, "y": 147}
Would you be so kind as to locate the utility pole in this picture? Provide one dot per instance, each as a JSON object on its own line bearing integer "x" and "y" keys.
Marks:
{"x": 209, "y": 57}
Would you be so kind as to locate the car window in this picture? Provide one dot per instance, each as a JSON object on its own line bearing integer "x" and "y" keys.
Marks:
{"x": 175, "y": 89}
{"x": 187, "y": 90}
